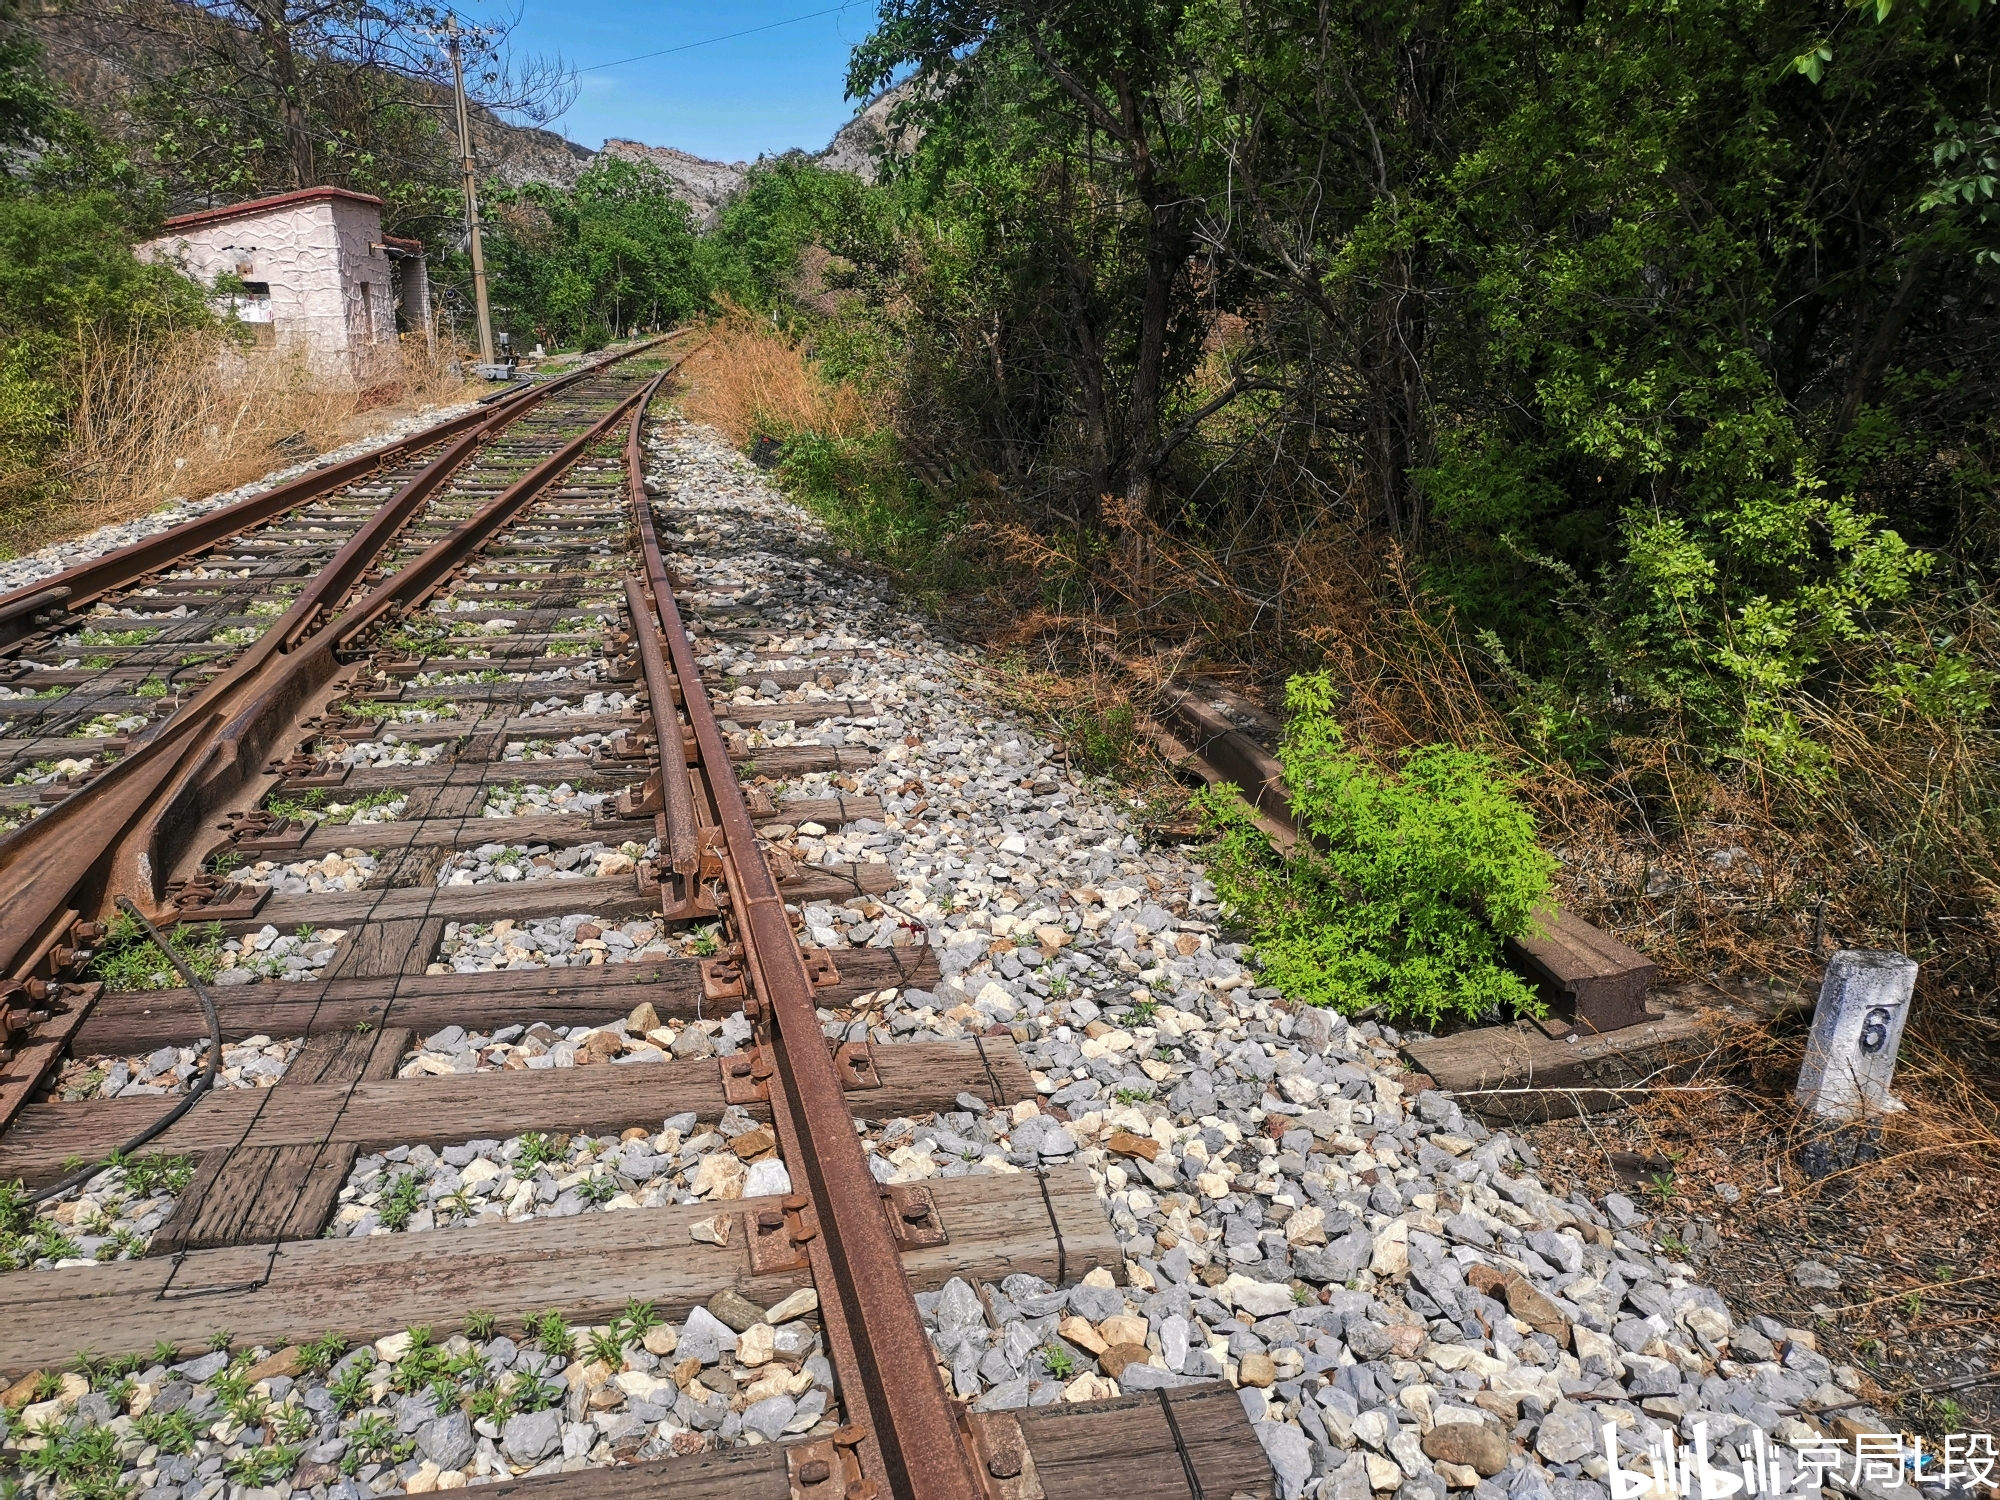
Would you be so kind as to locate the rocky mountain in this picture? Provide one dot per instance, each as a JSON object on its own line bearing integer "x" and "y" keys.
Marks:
{"x": 859, "y": 146}
{"x": 702, "y": 184}
{"x": 518, "y": 154}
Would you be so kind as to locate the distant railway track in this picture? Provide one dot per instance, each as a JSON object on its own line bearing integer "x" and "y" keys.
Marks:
{"x": 289, "y": 733}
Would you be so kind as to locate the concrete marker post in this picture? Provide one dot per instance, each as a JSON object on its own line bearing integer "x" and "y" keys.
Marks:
{"x": 1850, "y": 1060}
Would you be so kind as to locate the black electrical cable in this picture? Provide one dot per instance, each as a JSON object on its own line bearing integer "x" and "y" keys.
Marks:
{"x": 200, "y": 1086}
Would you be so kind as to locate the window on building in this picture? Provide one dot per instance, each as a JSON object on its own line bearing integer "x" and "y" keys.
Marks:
{"x": 252, "y": 305}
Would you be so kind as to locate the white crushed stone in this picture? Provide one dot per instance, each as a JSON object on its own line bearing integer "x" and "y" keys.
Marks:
{"x": 256, "y": 1062}
{"x": 349, "y": 870}
{"x": 536, "y": 801}
{"x": 1293, "y": 1219}
{"x": 270, "y": 954}
{"x": 392, "y": 750}
{"x": 573, "y": 942}
{"x": 496, "y": 864}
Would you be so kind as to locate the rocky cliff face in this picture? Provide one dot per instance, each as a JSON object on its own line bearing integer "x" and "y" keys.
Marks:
{"x": 516, "y": 154}
{"x": 859, "y": 146}
{"x": 856, "y": 148}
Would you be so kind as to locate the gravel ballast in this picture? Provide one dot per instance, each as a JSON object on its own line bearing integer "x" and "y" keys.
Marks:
{"x": 1402, "y": 1305}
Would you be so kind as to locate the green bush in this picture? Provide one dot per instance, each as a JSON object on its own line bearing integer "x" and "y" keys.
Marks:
{"x": 1103, "y": 741}
{"x": 861, "y": 492}
{"x": 613, "y": 252}
{"x": 1401, "y": 889}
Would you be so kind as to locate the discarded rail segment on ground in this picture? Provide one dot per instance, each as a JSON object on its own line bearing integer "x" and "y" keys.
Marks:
{"x": 436, "y": 703}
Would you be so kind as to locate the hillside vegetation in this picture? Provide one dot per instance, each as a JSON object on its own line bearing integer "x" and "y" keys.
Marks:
{"x": 1609, "y": 389}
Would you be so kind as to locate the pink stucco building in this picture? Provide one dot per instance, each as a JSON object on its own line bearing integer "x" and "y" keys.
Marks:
{"x": 316, "y": 274}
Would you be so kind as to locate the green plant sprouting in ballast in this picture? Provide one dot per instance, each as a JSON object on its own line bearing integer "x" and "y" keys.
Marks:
{"x": 127, "y": 959}
{"x": 1401, "y": 887}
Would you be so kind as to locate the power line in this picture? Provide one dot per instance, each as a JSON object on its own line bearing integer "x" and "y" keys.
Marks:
{"x": 711, "y": 41}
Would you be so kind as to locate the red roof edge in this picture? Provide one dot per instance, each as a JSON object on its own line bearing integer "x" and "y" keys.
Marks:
{"x": 414, "y": 247}
{"x": 262, "y": 205}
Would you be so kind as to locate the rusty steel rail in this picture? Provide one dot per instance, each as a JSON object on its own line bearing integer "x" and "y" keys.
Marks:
{"x": 260, "y": 706}
{"x": 903, "y": 1436}
{"x": 126, "y": 833}
{"x": 89, "y": 581}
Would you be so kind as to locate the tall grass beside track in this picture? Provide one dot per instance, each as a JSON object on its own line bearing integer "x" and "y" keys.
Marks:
{"x": 836, "y": 450}
{"x": 192, "y": 412}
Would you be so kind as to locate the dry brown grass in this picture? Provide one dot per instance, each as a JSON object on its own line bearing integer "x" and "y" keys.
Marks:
{"x": 1910, "y": 1229}
{"x": 194, "y": 413}
{"x": 1708, "y": 866}
{"x": 747, "y": 378}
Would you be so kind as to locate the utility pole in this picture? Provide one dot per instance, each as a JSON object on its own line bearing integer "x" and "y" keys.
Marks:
{"x": 471, "y": 195}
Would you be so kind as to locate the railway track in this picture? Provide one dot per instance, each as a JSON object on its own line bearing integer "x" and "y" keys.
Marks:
{"x": 492, "y": 1115}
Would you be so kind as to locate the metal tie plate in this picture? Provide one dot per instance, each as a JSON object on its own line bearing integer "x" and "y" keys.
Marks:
{"x": 856, "y": 1066}
{"x": 913, "y": 1215}
{"x": 1000, "y": 1453}
{"x": 722, "y": 979}
{"x": 778, "y": 1236}
{"x": 820, "y": 967}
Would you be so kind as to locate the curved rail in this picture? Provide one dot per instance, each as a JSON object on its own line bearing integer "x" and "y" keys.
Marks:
{"x": 126, "y": 832}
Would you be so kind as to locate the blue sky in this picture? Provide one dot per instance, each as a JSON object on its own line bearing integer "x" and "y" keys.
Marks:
{"x": 765, "y": 92}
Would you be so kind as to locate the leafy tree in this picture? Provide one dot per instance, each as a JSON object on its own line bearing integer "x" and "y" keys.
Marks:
{"x": 211, "y": 134}
{"x": 293, "y": 91}
{"x": 785, "y": 207}
{"x": 1068, "y": 125}
{"x": 613, "y": 253}
{"x": 27, "y": 103}
{"x": 1665, "y": 339}
{"x": 71, "y": 205}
